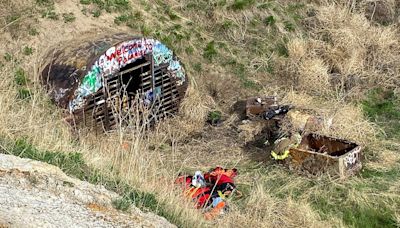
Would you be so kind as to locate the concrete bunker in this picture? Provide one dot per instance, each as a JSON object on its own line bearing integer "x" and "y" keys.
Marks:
{"x": 101, "y": 81}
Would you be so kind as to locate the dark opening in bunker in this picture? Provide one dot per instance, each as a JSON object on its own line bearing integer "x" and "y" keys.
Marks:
{"x": 107, "y": 84}
{"x": 131, "y": 75}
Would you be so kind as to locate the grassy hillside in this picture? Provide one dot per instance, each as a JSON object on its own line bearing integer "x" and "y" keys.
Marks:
{"x": 337, "y": 59}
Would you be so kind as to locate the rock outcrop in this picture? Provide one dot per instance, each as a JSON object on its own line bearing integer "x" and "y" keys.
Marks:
{"x": 36, "y": 194}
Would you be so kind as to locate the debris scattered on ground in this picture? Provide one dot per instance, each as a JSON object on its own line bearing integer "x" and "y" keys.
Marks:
{"x": 295, "y": 143}
{"x": 210, "y": 190}
{"x": 282, "y": 146}
{"x": 266, "y": 107}
{"x": 302, "y": 122}
{"x": 318, "y": 154}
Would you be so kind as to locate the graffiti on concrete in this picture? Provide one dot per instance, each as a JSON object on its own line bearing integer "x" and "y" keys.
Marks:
{"x": 119, "y": 56}
{"x": 177, "y": 71}
{"x": 351, "y": 158}
{"x": 162, "y": 54}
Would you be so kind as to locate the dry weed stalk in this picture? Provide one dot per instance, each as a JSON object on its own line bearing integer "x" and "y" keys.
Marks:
{"x": 344, "y": 56}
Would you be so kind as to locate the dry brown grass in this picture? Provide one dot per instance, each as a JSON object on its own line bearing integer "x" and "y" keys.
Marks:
{"x": 339, "y": 118}
{"x": 263, "y": 210}
{"x": 344, "y": 56}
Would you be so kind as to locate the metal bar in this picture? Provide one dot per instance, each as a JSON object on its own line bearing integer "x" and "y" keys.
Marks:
{"x": 106, "y": 121}
{"x": 152, "y": 74}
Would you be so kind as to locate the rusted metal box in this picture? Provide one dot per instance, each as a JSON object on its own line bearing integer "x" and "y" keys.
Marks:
{"x": 318, "y": 154}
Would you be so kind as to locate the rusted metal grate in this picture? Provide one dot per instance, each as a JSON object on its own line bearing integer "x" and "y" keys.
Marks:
{"x": 116, "y": 100}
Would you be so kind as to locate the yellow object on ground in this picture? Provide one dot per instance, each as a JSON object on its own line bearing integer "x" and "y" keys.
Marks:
{"x": 282, "y": 146}
{"x": 280, "y": 156}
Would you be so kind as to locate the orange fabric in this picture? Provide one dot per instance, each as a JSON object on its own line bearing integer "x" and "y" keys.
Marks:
{"x": 220, "y": 171}
{"x": 215, "y": 211}
{"x": 220, "y": 175}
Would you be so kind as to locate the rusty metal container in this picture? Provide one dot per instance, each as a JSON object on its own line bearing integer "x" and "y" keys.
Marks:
{"x": 255, "y": 108}
{"x": 97, "y": 79}
{"x": 318, "y": 154}
{"x": 265, "y": 107}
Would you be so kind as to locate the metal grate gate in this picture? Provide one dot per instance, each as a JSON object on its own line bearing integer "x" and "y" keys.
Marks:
{"x": 115, "y": 102}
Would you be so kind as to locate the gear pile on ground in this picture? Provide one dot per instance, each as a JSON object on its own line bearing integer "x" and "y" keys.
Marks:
{"x": 210, "y": 190}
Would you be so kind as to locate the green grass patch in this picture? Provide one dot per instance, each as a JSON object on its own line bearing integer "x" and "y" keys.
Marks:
{"x": 214, "y": 117}
{"x": 240, "y": 71}
{"x": 270, "y": 21}
{"x": 146, "y": 31}
{"x": 335, "y": 201}
{"x": 96, "y": 13}
{"x": 123, "y": 203}
{"x": 13, "y": 17}
{"x": 265, "y": 5}
{"x": 390, "y": 175}
{"x": 353, "y": 214}
{"x": 33, "y": 31}
{"x": 8, "y": 57}
{"x": 281, "y": 49}
{"x": 132, "y": 20}
{"x": 197, "y": 67}
{"x": 289, "y": 26}
{"x": 210, "y": 51}
{"x": 242, "y": 4}
{"x": 69, "y": 17}
{"x": 358, "y": 216}
{"x": 24, "y": 94}
{"x": 383, "y": 107}
{"x": 72, "y": 163}
{"x": 109, "y": 5}
{"x": 50, "y": 14}
{"x": 20, "y": 77}
{"x": 85, "y": 2}
{"x": 27, "y": 50}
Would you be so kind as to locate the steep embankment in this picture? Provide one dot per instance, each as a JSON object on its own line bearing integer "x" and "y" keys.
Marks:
{"x": 36, "y": 194}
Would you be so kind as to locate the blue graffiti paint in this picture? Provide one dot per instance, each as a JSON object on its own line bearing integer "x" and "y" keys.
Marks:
{"x": 161, "y": 54}
{"x": 177, "y": 70}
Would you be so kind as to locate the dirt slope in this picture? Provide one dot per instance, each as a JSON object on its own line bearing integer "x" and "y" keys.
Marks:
{"x": 36, "y": 194}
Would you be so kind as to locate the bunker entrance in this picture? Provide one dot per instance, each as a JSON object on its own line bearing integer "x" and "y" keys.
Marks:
{"x": 137, "y": 77}
{"x": 131, "y": 76}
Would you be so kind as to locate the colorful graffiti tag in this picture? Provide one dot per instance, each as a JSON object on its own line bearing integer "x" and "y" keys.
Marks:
{"x": 352, "y": 158}
{"x": 119, "y": 56}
